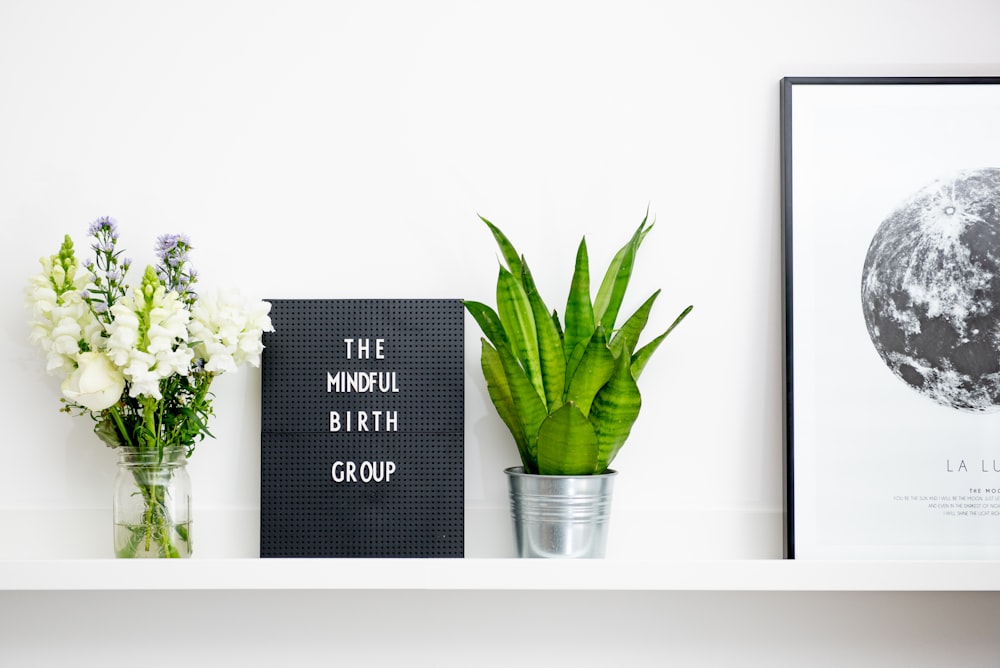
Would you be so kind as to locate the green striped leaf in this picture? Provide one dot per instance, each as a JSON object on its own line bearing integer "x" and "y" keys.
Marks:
{"x": 503, "y": 400}
{"x": 595, "y": 368}
{"x": 488, "y": 321}
{"x": 567, "y": 443}
{"x": 510, "y": 254}
{"x": 627, "y": 338}
{"x": 609, "y": 296}
{"x": 557, "y": 324}
{"x": 643, "y": 354}
{"x": 579, "y": 317}
{"x": 519, "y": 324}
{"x": 551, "y": 359}
{"x": 529, "y": 406}
{"x": 574, "y": 361}
{"x": 613, "y": 413}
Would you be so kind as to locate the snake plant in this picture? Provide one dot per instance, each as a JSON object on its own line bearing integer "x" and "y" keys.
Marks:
{"x": 566, "y": 390}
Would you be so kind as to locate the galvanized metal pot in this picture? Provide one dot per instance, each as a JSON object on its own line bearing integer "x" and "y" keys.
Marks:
{"x": 559, "y": 516}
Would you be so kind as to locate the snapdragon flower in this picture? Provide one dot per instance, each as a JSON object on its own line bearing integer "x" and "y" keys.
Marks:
{"x": 61, "y": 324}
{"x": 147, "y": 338}
{"x": 228, "y": 330}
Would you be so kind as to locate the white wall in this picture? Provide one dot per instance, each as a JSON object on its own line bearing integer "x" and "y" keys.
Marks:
{"x": 334, "y": 149}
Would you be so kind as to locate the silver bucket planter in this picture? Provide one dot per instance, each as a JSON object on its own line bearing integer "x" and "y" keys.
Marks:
{"x": 561, "y": 517}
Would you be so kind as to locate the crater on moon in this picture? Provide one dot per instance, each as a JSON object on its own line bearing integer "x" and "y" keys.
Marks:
{"x": 930, "y": 290}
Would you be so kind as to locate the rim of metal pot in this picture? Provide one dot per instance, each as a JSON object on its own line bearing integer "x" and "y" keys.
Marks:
{"x": 519, "y": 471}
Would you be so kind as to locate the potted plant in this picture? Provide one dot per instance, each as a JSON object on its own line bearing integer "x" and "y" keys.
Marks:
{"x": 567, "y": 392}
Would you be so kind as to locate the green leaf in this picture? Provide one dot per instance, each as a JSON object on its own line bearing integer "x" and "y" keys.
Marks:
{"x": 557, "y": 324}
{"x": 519, "y": 323}
{"x": 613, "y": 413}
{"x": 579, "y": 319}
{"x": 567, "y": 443}
{"x": 643, "y": 354}
{"x": 510, "y": 254}
{"x": 595, "y": 368}
{"x": 503, "y": 400}
{"x": 107, "y": 432}
{"x": 528, "y": 405}
{"x": 612, "y": 290}
{"x": 551, "y": 358}
{"x": 627, "y": 338}
{"x": 488, "y": 321}
{"x": 200, "y": 426}
{"x": 573, "y": 361}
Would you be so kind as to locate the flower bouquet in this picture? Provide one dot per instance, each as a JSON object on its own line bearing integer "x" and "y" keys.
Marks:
{"x": 140, "y": 361}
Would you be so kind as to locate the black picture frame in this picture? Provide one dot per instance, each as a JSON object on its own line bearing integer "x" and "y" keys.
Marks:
{"x": 885, "y": 458}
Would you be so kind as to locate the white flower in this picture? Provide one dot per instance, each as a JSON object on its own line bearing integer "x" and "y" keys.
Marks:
{"x": 59, "y": 322}
{"x": 169, "y": 362}
{"x": 95, "y": 384}
{"x": 145, "y": 381}
{"x": 228, "y": 330}
{"x": 164, "y": 351}
{"x": 66, "y": 336}
{"x": 123, "y": 332}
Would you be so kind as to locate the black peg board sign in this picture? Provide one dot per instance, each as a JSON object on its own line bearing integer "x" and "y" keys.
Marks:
{"x": 362, "y": 429}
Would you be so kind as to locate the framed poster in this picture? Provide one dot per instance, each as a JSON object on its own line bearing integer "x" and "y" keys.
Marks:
{"x": 891, "y": 223}
{"x": 362, "y": 429}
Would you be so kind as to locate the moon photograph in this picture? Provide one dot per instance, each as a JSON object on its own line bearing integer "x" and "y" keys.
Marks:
{"x": 930, "y": 290}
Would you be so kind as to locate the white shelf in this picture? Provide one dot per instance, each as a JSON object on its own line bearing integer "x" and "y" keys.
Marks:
{"x": 66, "y": 550}
{"x": 498, "y": 574}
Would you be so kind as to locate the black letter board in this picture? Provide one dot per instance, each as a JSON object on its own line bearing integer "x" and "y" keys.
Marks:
{"x": 362, "y": 429}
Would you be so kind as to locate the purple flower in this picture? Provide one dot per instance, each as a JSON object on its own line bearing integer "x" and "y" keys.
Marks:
{"x": 172, "y": 269}
{"x": 104, "y": 224}
{"x": 169, "y": 244}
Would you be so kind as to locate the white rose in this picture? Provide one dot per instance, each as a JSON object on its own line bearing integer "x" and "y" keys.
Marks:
{"x": 96, "y": 383}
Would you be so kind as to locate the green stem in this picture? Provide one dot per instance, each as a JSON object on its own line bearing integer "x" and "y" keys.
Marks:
{"x": 147, "y": 494}
{"x": 116, "y": 416}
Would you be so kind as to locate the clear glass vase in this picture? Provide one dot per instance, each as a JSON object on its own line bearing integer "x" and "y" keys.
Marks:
{"x": 152, "y": 504}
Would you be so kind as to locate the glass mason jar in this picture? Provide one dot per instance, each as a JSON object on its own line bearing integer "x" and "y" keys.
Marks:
{"x": 152, "y": 504}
